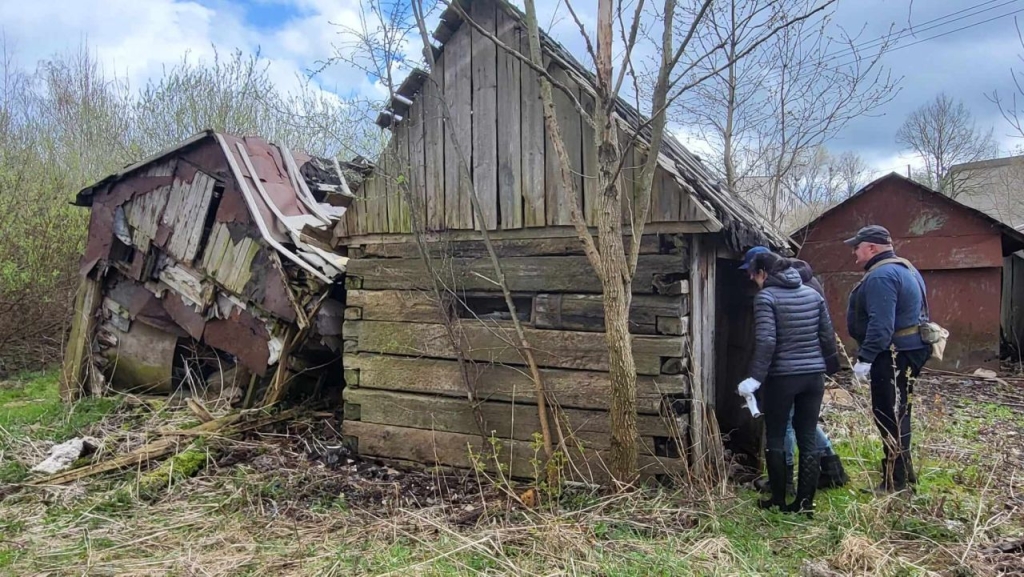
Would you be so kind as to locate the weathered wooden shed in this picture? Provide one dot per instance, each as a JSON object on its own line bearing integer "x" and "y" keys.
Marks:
{"x": 405, "y": 397}
{"x": 959, "y": 250}
{"x": 209, "y": 264}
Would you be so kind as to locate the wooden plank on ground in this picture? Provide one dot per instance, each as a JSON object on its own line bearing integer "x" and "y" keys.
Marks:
{"x": 458, "y": 94}
{"x": 563, "y": 246}
{"x": 455, "y": 449}
{"x": 558, "y": 199}
{"x": 510, "y": 154}
{"x": 533, "y": 144}
{"x": 586, "y": 312}
{"x": 504, "y": 420}
{"x": 434, "y": 145}
{"x": 569, "y": 389}
{"x": 571, "y": 274}
{"x": 485, "y": 116}
{"x": 491, "y": 343}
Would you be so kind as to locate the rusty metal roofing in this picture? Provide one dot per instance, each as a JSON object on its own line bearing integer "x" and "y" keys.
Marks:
{"x": 1013, "y": 238}
{"x": 741, "y": 225}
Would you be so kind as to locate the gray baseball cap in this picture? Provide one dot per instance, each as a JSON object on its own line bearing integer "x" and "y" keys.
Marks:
{"x": 873, "y": 233}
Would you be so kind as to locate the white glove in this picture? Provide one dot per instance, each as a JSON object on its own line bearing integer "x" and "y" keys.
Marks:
{"x": 861, "y": 371}
{"x": 748, "y": 386}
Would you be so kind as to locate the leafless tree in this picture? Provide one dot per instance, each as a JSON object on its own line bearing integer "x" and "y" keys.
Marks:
{"x": 766, "y": 114}
{"x": 943, "y": 133}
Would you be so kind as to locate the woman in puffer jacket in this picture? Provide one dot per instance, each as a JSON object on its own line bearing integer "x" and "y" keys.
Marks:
{"x": 793, "y": 337}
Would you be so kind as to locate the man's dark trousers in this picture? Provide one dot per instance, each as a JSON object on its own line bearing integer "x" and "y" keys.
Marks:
{"x": 892, "y": 375}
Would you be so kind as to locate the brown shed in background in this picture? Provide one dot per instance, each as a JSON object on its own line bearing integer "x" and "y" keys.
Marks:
{"x": 960, "y": 252}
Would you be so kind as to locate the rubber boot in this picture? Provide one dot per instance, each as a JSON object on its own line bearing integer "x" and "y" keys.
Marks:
{"x": 776, "y": 464}
{"x": 807, "y": 484}
{"x": 832, "y": 473}
{"x": 763, "y": 486}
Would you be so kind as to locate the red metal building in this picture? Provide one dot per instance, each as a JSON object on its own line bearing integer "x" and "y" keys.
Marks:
{"x": 959, "y": 250}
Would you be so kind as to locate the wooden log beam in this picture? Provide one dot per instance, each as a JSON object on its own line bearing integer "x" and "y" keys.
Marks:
{"x": 510, "y": 247}
{"x": 517, "y": 421}
{"x": 523, "y": 274}
{"x": 492, "y": 343}
{"x": 586, "y": 312}
{"x": 455, "y": 450}
{"x": 568, "y": 389}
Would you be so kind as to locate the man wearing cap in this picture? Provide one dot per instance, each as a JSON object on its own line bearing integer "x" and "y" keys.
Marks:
{"x": 884, "y": 316}
{"x": 832, "y": 471}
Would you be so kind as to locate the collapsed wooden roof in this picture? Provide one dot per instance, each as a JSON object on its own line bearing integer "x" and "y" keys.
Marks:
{"x": 739, "y": 223}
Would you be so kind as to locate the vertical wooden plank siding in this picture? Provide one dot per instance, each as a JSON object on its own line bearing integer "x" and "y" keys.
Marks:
{"x": 510, "y": 169}
{"x": 458, "y": 94}
{"x": 532, "y": 142}
{"x": 558, "y": 199}
{"x": 417, "y": 174}
{"x": 395, "y": 172}
{"x": 372, "y": 204}
{"x": 665, "y": 197}
{"x": 589, "y": 147}
{"x": 485, "y": 103}
{"x": 434, "y": 145}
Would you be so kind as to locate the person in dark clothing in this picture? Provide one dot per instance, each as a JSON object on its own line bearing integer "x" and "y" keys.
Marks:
{"x": 793, "y": 337}
{"x": 884, "y": 316}
{"x": 832, "y": 472}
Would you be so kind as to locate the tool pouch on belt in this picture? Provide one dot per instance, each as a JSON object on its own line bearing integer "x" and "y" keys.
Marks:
{"x": 931, "y": 333}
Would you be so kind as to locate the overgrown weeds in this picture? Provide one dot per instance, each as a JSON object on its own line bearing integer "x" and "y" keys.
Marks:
{"x": 292, "y": 502}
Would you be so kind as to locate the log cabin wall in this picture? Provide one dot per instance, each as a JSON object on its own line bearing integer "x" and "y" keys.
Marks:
{"x": 405, "y": 397}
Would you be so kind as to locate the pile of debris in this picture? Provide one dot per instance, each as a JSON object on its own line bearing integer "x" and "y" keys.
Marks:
{"x": 209, "y": 272}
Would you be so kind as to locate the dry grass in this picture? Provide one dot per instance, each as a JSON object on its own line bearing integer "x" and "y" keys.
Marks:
{"x": 275, "y": 504}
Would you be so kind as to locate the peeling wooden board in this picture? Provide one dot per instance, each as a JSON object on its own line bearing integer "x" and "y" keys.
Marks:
{"x": 228, "y": 262}
{"x": 570, "y": 389}
{"x": 491, "y": 343}
{"x": 504, "y": 420}
{"x": 191, "y": 206}
{"x": 453, "y": 450}
{"x": 143, "y": 213}
{"x": 523, "y": 274}
{"x": 188, "y": 284}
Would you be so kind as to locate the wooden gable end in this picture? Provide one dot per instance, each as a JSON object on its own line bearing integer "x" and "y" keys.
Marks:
{"x": 496, "y": 129}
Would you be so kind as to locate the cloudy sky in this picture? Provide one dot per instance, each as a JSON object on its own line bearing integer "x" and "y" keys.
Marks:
{"x": 136, "y": 38}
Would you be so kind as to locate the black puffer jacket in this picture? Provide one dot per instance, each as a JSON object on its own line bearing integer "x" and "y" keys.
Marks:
{"x": 792, "y": 328}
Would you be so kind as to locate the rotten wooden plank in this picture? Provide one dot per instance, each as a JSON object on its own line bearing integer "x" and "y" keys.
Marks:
{"x": 76, "y": 358}
{"x": 571, "y": 274}
{"x": 417, "y": 167}
{"x": 490, "y": 343}
{"x": 485, "y": 103}
{"x": 581, "y": 389}
{"x": 454, "y": 450}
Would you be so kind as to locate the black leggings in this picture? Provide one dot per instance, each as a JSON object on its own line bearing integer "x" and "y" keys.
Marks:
{"x": 803, "y": 394}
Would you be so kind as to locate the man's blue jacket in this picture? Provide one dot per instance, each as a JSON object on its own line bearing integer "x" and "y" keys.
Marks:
{"x": 888, "y": 300}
